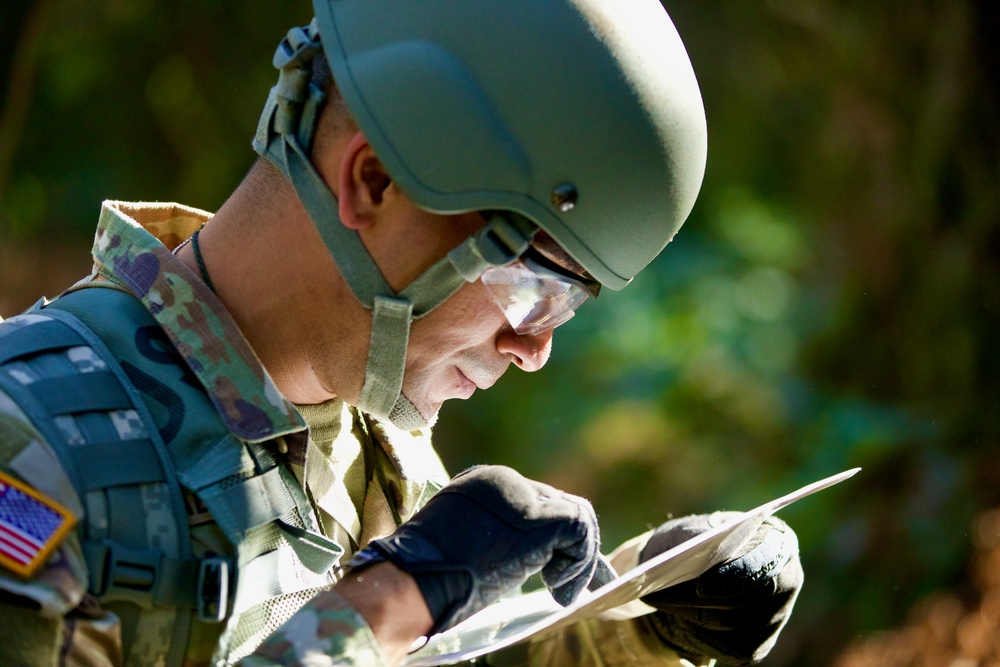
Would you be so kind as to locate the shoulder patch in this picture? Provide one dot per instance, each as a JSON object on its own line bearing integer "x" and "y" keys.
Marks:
{"x": 31, "y": 526}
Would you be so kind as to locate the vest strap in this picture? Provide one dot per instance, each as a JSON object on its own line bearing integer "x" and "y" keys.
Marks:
{"x": 241, "y": 507}
{"x": 125, "y": 462}
{"x": 84, "y": 392}
{"x": 40, "y": 337}
{"x": 147, "y": 578}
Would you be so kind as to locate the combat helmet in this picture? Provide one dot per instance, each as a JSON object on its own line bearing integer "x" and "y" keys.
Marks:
{"x": 582, "y": 118}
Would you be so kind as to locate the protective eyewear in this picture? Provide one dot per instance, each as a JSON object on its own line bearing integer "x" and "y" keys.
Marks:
{"x": 535, "y": 294}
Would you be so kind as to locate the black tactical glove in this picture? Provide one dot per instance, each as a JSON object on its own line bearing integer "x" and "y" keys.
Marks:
{"x": 483, "y": 535}
{"x": 734, "y": 611}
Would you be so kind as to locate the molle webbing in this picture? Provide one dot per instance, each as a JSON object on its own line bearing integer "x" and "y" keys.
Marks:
{"x": 129, "y": 466}
{"x": 56, "y": 369}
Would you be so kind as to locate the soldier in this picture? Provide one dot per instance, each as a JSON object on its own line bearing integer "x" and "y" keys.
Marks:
{"x": 215, "y": 449}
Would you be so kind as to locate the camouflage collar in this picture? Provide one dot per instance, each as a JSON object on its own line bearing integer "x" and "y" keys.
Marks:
{"x": 132, "y": 248}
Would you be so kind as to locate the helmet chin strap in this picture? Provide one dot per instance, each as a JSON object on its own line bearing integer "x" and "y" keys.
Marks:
{"x": 284, "y": 137}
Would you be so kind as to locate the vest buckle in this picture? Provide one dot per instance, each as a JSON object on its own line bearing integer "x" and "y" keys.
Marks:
{"x": 213, "y": 590}
{"x": 121, "y": 574}
{"x": 147, "y": 578}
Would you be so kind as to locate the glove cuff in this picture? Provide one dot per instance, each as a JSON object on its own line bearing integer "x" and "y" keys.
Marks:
{"x": 365, "y": 558}
{"x": 448, "y": 590}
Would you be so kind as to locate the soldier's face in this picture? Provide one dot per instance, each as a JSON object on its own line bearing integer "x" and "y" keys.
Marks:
{"x": 463, "y": 345}
{"x": 466, "y": 343}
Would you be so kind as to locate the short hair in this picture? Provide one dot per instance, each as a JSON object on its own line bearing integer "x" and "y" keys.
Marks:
{"x": 336, "y": 117}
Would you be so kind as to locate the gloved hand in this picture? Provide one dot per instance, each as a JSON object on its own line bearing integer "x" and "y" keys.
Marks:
{"x": 483, "y": 535}
{"x": 734, "y": 611}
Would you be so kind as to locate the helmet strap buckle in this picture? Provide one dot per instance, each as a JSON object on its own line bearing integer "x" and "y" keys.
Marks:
{"x": 298, "y": 102}
{"x": 298, "y": 47}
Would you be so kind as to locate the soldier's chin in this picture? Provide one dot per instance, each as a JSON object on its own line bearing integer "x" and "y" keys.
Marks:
{"x": 430, "y": 414}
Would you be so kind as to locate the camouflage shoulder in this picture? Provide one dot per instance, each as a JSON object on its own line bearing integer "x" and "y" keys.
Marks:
{"x": 326, "y": 626}
{"x": 61, "y": 582}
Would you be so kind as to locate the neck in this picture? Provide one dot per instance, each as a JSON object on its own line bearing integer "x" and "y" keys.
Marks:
{"x": 272, "y": 271}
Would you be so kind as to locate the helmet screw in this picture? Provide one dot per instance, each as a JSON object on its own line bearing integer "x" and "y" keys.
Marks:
{"x": 564, "y": 197}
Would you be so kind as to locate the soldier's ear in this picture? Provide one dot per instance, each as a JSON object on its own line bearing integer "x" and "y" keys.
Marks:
{"x": 363, "y": 184}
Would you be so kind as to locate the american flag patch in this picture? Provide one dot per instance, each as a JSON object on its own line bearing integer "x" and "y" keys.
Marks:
{"x": 31, "y": 526}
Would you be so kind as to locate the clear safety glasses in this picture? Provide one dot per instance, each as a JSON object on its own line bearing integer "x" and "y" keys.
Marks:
{"x": 535, "y": 294}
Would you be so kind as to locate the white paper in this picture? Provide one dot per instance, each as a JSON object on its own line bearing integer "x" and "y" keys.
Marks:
{"x": 512, "y": 620}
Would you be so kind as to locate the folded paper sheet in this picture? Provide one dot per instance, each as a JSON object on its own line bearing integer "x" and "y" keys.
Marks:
{"x": 513, "y": 620}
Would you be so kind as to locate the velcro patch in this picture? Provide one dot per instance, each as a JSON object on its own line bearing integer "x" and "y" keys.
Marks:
{"x": 31, "y": 526}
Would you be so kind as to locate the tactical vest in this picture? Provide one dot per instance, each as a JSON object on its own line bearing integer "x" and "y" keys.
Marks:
{"x": 142, "y": 443}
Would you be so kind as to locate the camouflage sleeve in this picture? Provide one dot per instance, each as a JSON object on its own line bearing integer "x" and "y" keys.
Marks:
{"x": 48, "y": 617}
{"x": 326, "y": 631}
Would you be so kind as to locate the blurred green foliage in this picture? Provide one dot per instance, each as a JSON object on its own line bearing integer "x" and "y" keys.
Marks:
{"x": 832, "y": 301}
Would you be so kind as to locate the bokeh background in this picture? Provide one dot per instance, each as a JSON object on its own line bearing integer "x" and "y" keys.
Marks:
{"x": 833, "y": 300}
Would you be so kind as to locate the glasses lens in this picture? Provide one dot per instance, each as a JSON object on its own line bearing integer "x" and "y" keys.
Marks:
{"x": 532, "y": 303}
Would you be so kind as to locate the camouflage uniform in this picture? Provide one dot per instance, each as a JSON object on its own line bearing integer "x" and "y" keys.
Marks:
{"x": 362, "y": 479}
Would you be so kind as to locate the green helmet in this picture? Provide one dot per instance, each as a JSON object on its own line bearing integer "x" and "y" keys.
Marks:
{"x": 579, "y": 117}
